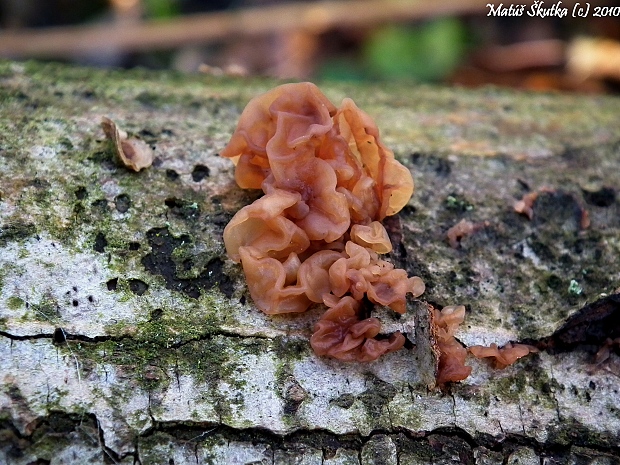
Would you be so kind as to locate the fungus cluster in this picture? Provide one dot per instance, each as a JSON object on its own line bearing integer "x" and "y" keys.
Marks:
{"x": 315, "y": 236}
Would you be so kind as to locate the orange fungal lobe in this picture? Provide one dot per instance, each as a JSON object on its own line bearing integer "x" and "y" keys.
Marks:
{"x": 315, "y": 236}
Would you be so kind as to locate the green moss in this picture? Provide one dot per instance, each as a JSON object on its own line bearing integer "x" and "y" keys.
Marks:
{"x": 574, "y": 288}
{"x": 457, "y": 203}
{"x": 291, "y": 349}
{"x": 375, "y": 400}
{"x": 613, "y": 409}
{"x": 15, "y": 231}
{"x": 529, "y": 384}
{"x": 46, "y": 310}
{"x": 572, "y": 432}
{"x": 15, "y": 303}
{"x": 185, "y": 339}
{"x": 54, "y": 399}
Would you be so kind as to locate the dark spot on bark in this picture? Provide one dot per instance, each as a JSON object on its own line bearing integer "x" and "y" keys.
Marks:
{"x": 557, "y": 210}
{"x": 39, "y": 183}
{"x": 81, "y": 193}
{"x": 100, "y": 205}
{"x": 378, "y": 394}
{"x": 183, "y": 208}
{"x": 157, "y": 314}
{"x": 75, "y": 303}
{"x": 431, "y": 163}
{"x": 88, "y": 94}
{"x": 134, "y": 246}
{"x": 100, "y": 243}
{"x": 146, "y": 133}
{"x": 59, "y": 336}
{"x": 219, "y": 219}
{"x": 16, "y": 394}
{"x": 242, "y": 300}
{"x": 447, "y": 447}
{"x": 542, "y": 250}
{"x": 590, "y": 326}
{"x": 394, "y": 228}
{"x": 15, "y": 231}
{"x": 293, "y": 397}
{"x": 603, "y": 197}
{"x": 104, "y": 158}
{"x": 554, "y": 282}
{"x": 21, "y": 96}
{"x": 160, "y": 262}
{"x": 408, "y": 210}
{"x": 112, "y": 283}
{"x": 137, "y": 287}
{"x": 172, "y": 175}
{"x": 524, "y": 185}
{"x": 91, "y": 299}
{"x": 149, "y": 99}
{"x": 344, "y": 401}
{"x": 123, "y": 202}
{"x": 215, "y": 274}
{"x": 188, "y": 264}
{"x": 200, "y": 172}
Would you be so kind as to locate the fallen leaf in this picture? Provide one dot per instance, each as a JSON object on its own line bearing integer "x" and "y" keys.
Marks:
{"x": 134, "y": 153}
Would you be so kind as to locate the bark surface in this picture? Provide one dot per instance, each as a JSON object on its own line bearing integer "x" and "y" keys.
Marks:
{"x": 127, "y": 336}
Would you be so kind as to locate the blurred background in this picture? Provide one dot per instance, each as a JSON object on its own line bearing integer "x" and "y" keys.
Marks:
{"x": 454, "y": 42}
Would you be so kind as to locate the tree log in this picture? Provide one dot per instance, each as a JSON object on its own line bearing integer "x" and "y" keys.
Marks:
{"x": 127, "y": 336}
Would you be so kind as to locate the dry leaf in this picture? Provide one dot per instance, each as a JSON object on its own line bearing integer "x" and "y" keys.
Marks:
{"x": 134, "y": 153}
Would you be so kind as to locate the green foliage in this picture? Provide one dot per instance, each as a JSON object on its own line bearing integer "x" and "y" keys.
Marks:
{"x": 161, "y": 8}
{"x": 426, "y": 53}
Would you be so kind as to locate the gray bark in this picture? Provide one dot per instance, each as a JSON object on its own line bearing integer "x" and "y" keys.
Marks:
{"x": 127, "y": 336}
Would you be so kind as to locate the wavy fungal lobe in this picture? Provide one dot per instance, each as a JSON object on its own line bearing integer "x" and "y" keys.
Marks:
{"x": 315, "y": 236}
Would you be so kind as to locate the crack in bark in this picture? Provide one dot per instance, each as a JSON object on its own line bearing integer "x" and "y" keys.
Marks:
{"x": 59, "y": 339}
{"x": 60, "y": 336}
{"x": 555, "y": 399}
{"x": 453, "y": 407}
{"x": 521, "y": 417}
{"x": 321, "y": 439}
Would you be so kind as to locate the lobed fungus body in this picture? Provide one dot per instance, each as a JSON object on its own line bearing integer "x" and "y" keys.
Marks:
{"x": 452, "y": 354}
{"x": 502, "y": 356}
{"x": 462, "y": 229}
{"x": 315, "y": 236}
